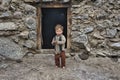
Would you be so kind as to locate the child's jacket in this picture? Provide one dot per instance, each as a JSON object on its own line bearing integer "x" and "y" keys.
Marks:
{"x": 60, "y": 46}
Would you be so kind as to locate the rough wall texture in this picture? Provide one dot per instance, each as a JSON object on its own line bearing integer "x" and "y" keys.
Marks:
{"x": 95, "y": 26}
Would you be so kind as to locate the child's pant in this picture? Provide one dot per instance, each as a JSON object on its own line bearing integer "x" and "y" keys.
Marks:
{"x": 57, "y": 59}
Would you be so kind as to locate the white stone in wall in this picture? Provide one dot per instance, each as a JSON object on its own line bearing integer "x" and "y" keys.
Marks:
{"x": 115, "y": 45}
{"x": 24, "y": 34}
{"x": 8, "y": 26}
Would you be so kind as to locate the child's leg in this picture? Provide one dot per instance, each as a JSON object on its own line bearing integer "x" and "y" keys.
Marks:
{"x": 57, "y": 60}
{"x": 63, "y": 59}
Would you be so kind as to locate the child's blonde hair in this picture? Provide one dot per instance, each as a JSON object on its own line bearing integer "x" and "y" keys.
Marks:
{"x": 58, "y": 26}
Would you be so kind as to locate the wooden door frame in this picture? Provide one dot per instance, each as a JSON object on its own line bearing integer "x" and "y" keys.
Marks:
{"x": 39, "y": 24}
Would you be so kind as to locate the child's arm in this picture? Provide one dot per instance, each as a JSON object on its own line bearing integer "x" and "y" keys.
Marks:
{"x": 63, "y": 40}
{"x": 53, "y": 41}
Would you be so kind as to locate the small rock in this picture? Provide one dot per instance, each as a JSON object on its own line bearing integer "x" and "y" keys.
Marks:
{"x": 111, "y": 33}
{"x": 14, "y": 1}
{"x": 75, "y": 34}
{"x": 66, "y": 1}
{"x": 72, "y": 54}
{"x": 24, "y": 34}
{"x": 3, "y": 66}
{"x": 84, "y": 55}
{"x": 17, "y": 14}
{"x": 6, "y": 14}
{"x": 116, "y": 23}
{"x": 67, "y": 55}
{"x": 31, "y": 0}
{"x": 30, "y": 44}
{"x": 119, "y": 60}
{"x": 97, "y": 35}
{"x": 93, "y": 42}
{"x": 77, "y": 58}
{"x": 115, "y": 45}
{"x": 29, "y": 54}
{"x": 47, "y": 0}
{"x": 115, "y": 40}
{"x": 15, "y": 39}
{"x": 88, "y": 29}
{"x": 100, "y": 54}
{"x": 81, "y": 39}
{"x": 1, "y": 58}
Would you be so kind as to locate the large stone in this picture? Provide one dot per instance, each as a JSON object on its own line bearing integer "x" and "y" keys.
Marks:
{"x": 77, "y": 46}
{"x": 10, "y": 50}
{"x": 8, "y": 26}
{"x": 31, "y": 23}
{"x": 30, "y": 10}
{"x": 81, "y": 39}
{"x": 84, "y": 56}
{"x": 115, "y": 45}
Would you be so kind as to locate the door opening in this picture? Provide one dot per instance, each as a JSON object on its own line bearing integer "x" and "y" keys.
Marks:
{"x": 50, "y": 18}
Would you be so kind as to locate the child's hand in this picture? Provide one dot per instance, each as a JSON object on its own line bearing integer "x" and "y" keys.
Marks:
{"x": 54, "y": 42}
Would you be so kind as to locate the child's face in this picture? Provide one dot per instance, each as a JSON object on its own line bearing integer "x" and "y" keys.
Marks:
{"x": 59, "y": 31}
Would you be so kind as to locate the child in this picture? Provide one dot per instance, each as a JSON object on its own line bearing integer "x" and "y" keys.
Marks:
{"x": 59, "y": 43}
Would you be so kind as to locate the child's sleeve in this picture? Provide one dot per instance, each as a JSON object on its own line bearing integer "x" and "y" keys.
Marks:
{"x": 53, "y": 41}
{"x": 63, "y": 40}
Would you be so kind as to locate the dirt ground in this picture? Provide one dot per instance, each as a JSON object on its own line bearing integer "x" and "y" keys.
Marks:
{"x": 41, "y": 67}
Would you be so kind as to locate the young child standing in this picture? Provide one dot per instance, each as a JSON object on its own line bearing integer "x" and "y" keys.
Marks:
{"x": 59, "y": 43}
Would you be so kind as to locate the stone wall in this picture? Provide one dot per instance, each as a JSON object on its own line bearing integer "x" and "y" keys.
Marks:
{"x": 95, "y": 27}
{"x": 17, "y": 28}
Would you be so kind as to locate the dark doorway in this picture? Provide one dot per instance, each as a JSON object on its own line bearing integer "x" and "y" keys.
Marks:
{"x": 50, "y": 18}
